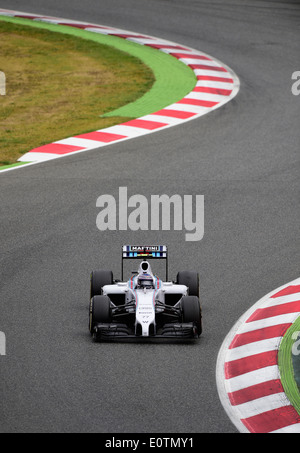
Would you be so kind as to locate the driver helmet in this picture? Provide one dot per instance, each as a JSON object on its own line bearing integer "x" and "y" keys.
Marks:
{"x": 145, "y": 277}
{"x": 145, "y": 280}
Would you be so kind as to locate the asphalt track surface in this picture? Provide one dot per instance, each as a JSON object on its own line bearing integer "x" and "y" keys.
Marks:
{"x": 242, "y": 158}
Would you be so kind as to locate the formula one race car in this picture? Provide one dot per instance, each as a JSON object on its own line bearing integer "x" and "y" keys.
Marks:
{"x": 144, "y": 306}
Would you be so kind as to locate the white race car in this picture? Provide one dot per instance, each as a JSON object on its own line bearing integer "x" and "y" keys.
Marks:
{"x": 144, "y": 306}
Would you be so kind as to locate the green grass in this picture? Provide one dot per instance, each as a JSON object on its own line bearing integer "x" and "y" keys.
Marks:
{"x": 96, "y": 81}
{"x": 60, "y": 85}
{"x": 288, "y": 365}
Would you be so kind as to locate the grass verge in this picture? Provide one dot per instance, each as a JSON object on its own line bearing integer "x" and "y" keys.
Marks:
{"x": 172, "y": 81}
{"x": 59, "y": 85}
{"x": 288, "y": 363}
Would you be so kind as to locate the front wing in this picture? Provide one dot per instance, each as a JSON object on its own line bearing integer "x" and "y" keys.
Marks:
{"x": 116, "y": 331}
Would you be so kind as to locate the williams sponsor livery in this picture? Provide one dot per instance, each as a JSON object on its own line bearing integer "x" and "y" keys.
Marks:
{"x": 144, "y": 306}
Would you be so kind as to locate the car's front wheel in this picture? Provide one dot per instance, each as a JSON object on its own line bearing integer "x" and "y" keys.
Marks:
{"x": 100, "y": 278}
{"x": 100, "y": 311}
{"x": 189, "y": 279}
{"x": 191, "y": 311}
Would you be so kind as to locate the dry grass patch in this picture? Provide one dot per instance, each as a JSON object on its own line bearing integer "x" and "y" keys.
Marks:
{"x": 59, "y": 85}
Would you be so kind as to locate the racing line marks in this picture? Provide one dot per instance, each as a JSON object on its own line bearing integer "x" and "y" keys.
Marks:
{"x": 248, "y": 376}
{"x": 216, "y": 84}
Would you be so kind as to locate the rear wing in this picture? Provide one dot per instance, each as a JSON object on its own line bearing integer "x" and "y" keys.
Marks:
{"x": 145, "y": 252}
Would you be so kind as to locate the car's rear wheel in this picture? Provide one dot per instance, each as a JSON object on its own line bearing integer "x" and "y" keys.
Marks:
{"x": 100, "y": 278}
{"x": 100, "y": 311}
{"x": 191, "y": 311}
{"x": 191, "y": 280}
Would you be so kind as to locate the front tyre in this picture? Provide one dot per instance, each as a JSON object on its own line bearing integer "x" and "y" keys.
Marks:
{"x": 100, "y": 278}
{"x": 189, "y": 279}
{"x": 191, "y": 312}
{"x": 100, "y": 311}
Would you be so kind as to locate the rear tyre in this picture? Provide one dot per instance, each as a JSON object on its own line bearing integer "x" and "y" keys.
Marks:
{"x": 191, "y": 311}
{"x": 191, "y": 280}
{"x": 100, "y": 311}
{"x": 99, "y": 279}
